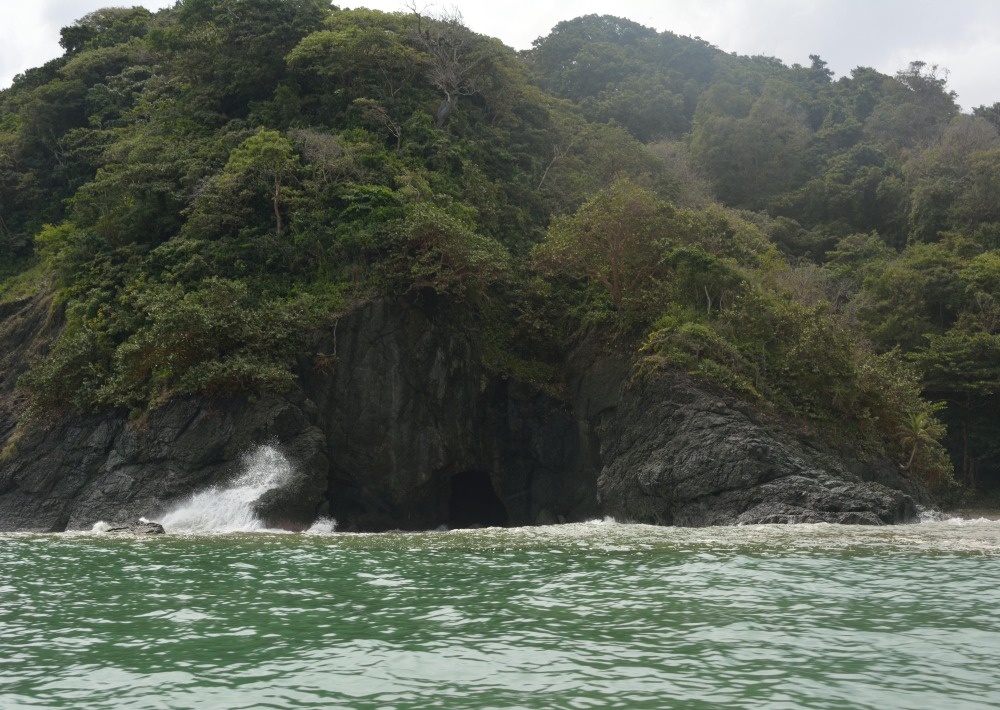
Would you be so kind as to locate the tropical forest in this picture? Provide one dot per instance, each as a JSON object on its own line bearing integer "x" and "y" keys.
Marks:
{"x": 199, "y": 190}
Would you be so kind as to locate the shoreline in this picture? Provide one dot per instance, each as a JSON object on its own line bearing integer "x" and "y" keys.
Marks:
{"x": 973, "y": 513}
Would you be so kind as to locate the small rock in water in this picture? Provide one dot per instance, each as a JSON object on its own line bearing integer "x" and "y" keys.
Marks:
{"x": 139, "y": 527}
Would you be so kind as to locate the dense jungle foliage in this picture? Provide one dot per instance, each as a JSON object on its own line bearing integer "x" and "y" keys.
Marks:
{"x": 206, "y": 186}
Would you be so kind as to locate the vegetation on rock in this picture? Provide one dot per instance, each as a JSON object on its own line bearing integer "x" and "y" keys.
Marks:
{"x": 209, "y": 184}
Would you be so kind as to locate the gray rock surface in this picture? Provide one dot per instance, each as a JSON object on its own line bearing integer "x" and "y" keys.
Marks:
{"x": 407, "y": 407}
{"x": 393, "y": 409}
{"x": 138, "y": 527}
{"x": 678, "y": 452}
{"x": 376, "y": 436}
{"x": 73, "y": 472}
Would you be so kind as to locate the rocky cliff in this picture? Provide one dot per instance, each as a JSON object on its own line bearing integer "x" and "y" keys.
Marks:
{"x": 397, "y": 425}
{"x": 678, "y": 452}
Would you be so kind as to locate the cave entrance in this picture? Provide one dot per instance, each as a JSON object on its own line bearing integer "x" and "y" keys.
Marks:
{"x": 474, "y": 502}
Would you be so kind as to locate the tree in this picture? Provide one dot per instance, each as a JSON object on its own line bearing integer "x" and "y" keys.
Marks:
{"x": 364, "y": 54}
{"x": 860, "y": 190}
{"x": 616, "y": 69}
{"x": 260, "y": 167}
{"x": 583, "y": 158}
{"x": 753, "y": 158}
{"x": 912, "y": 109}
{"x": 918, "y": 430}
{"x": 611, "y": 240}
{"x": 989, "y": 113}
{"x": 433, "y": 250}
{"x": 455, "y": 55}
{"x": 231, "y": 53}
{"x": 914, "y": 295}
{"x": 140, "y": 191}
{"x": 104, "y": 28}
{"x": 582, "y": 57}
{"x": 952, "y": 182}
{"x": 963, "y": 369}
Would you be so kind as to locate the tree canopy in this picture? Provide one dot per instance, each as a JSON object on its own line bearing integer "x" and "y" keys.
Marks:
{"x": 203, "y": 184}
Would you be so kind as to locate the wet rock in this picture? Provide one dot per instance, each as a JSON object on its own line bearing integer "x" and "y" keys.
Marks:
{"x": 376, "y": 430}
{"x": 65, "y": 474}
{"x": 393, "y": 406}
{"x": 407, "y": 407}
{"x": 139, "y": 527}
{"x": 679, "y": 452}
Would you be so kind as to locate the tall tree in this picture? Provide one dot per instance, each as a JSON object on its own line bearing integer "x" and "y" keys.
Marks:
{"x": 611, "y": 241}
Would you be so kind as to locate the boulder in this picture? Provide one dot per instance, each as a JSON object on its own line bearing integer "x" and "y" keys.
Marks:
{"x": 681, "y": 452}
{"x": 139, "y": 527}
{"x": 66, "y": 473}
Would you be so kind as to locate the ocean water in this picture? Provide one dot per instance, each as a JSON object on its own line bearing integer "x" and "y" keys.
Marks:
{"x": 595, "y": 615}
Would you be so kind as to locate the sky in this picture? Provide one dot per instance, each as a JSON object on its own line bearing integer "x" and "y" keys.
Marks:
{"x": 960, "y": 36}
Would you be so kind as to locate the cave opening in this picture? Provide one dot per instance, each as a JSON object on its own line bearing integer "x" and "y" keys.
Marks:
{"x": 474, "y": 503}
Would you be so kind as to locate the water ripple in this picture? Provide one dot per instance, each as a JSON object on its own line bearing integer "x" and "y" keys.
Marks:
{"x": 577, "y": 616}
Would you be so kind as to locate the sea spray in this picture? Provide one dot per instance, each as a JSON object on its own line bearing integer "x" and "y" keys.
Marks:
{"x": 229, "y": 508}
{"x": 322, "y": 526}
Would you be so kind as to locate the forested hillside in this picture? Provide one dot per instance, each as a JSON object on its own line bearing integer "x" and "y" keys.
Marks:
{"x": 204, "y": 187}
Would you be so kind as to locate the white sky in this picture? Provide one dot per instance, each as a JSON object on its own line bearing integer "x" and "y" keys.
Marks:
{"x": 962, "y": 36}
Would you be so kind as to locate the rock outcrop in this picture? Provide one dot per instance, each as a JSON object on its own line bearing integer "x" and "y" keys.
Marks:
{"x": 407, "y": 410}
{"x": 139, "y": 527}
{"x": 378, "y": 439}
{"x": 73, "y": 472}
{"x": 678, "y": 452}
{"x": 395, "y": 424}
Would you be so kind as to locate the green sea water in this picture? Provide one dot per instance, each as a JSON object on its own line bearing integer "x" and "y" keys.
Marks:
{"x": 596, "y": 615}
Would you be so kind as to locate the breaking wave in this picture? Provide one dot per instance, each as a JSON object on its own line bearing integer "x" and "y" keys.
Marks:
{"x": 229, "y": 508}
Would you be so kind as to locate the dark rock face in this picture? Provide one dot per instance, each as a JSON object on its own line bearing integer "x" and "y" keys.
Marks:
{"x": 679, "y": 453}
{"x": 75, "y": 472}
{"x": 375, "y": 441}
{"x": 403, "y": 429}
{"x": 137, "y": 528}
{"x": 401, "y": 411}
{"x": 70, "y": 472}
{"x": 407, "y": 407}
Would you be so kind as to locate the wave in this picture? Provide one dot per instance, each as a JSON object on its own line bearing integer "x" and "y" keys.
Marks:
{"x": 229, "y": 508}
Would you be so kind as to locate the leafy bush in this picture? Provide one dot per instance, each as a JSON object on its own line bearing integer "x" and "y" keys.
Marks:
{"x": 216, "y": 340}
{"x": 431, "y": 249}
{"x": 802, "y": 359}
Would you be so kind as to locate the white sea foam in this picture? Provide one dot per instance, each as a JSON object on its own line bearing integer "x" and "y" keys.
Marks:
{"x": 960, "y": 521}
{"x": 930, "y": 515}
{"x": 322, "y": 526}
{"x": 606, "y": 520}
{"x": 229, "y": 508}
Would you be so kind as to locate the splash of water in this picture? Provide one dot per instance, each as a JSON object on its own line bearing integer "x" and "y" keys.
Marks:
{"x": 930, "y": 515}
{"x": 323, "y": 526}
{"x": 229, "y": 508}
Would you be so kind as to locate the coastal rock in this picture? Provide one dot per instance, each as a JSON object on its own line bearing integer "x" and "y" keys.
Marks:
{"x": 395, "y": 424}
{"x": 404, "y": 430}
{"x": 420, "y": 435}
{"x": 139, "y": 527}
{"x": 64, "y": 474}
{"x": 679, "y": 452}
